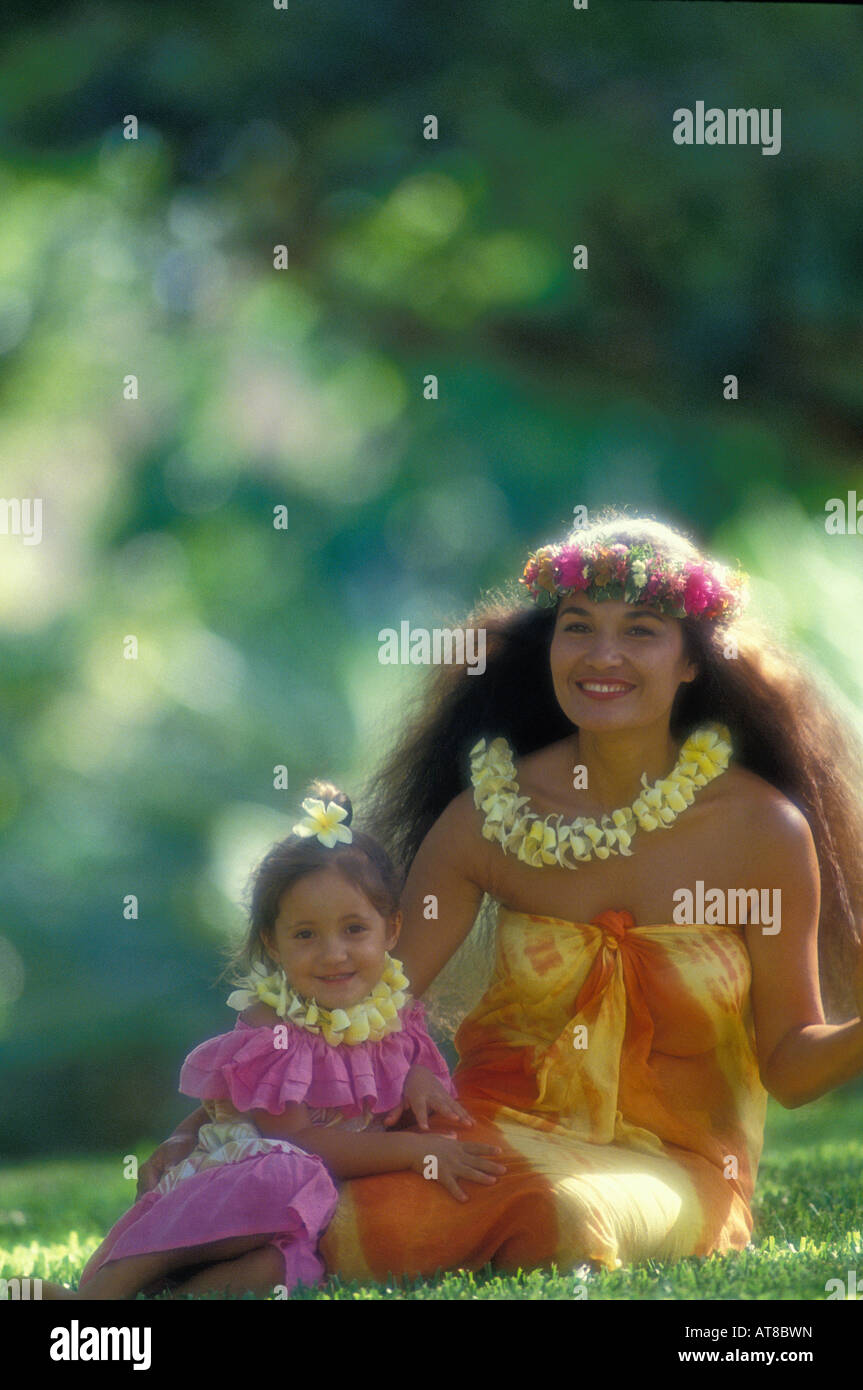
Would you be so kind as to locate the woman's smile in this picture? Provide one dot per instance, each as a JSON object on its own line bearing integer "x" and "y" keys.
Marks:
{"x": 604, "y": 690}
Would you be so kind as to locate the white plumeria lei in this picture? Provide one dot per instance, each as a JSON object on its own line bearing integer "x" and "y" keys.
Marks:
{"x": 368, "y": 1021}
{"x": 536, "y": 841}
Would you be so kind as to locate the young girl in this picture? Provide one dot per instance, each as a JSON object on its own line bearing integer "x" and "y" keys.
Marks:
{"x": 330, "y": 1049}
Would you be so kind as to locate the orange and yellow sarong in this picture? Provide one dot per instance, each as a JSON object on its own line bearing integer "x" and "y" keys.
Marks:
{"x": 615, "y": 1067}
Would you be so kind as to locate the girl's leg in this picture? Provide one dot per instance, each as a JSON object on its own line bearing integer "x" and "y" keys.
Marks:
{"x": 257, "y": 1272}
{"x": 125, "y": 1277}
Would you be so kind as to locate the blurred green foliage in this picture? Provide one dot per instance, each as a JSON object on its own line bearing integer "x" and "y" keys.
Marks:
{"x": 303, "y": 388}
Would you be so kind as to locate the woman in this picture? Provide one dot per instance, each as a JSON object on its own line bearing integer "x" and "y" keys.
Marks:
{"x": 622, "y": 1054}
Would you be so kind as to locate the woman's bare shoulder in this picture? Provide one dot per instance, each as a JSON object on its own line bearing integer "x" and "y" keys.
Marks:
{"x": 764, "y": 814}
{"x": 461, "y": 817}
{"x": 458, "y": 832}
{"x": 747, "y": 788}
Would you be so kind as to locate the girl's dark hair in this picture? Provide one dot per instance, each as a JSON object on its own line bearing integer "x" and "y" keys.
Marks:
{"x": 781, "y": 725}
{"x": 362, "y": 862}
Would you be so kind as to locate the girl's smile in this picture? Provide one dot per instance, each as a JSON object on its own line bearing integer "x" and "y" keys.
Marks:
{"x": 337, "y": 979}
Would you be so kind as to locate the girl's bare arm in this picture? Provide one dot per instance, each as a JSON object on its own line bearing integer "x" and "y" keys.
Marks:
{"x": 176, "y": 1147}
{"x": 347, "y": 1155}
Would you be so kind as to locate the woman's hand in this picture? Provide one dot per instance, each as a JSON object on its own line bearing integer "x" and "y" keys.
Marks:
{"x": 172, "y": 1151}
{"x": 425, "y": 1095}
{"x": 445, "y": 1158}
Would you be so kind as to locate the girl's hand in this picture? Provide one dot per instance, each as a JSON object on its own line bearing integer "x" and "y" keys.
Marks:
{"x": 425, "y": 1095}
{"x": 172, "y": 1151}
{"x": 446, "y": 1158}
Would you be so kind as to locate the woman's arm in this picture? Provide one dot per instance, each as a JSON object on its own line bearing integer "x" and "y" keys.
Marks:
{"x": 800, "y": 1056}
{"x": 446, "y": 880}
{"x": 818, "y": 1058}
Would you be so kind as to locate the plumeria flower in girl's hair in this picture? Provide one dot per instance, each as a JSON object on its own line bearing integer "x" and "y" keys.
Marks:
{"x": 324, "y": 821}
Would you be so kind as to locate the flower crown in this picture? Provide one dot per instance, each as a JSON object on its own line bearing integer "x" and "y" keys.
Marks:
{"x": 637, "y": 573}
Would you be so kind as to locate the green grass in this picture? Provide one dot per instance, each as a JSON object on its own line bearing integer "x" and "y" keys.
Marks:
{"x": 808, "y": 1217}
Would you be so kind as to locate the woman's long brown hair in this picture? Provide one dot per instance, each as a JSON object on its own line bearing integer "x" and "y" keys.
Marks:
{"x": 782, "y": 725}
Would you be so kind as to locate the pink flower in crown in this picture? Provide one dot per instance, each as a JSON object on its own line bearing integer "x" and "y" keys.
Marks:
{"x": 655, "y": 582}
{"x": 570, "y": 569}
{"x": 699, "y": 591}
{"x": 728, "y": 593}
{"x": 675, "y": 588}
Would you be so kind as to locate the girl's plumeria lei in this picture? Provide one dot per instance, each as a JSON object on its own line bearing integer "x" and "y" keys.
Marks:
{"x": 538, "y": 840}
{"x": 324, "y": 821}
{"x": 368, "y": 1021}
{"x": 636, "y": 573}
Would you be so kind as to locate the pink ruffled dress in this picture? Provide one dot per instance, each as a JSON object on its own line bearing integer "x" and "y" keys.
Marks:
{"x": 235, "y": 1182}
